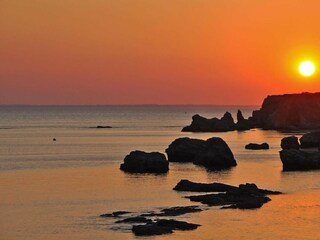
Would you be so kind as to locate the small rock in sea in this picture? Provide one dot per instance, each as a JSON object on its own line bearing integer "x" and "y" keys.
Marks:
{"x": 162, "y": 226}
{"x": 103, "y": 126}
{"x": 256, "y": 146}
{"x": 290, "y": 142}
{"x": 142, "y": 162}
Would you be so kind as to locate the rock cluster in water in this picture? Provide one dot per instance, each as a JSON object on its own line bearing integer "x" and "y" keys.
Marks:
{"x": 295, "y": 156}
{"x": 246, "y": 196}
{"x": 278, "y": 112}
{"x": 213, "y": 153}
{"x": 226, "y": 123}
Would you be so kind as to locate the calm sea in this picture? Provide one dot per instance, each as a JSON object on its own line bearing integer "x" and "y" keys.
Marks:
{"x": 57, "y": 189}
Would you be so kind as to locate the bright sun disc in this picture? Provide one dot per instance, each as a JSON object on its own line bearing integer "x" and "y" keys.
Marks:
{"x": 307, "y": 68}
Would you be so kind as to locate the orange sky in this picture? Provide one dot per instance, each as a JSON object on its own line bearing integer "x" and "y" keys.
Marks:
{"x": 155, "y": 51}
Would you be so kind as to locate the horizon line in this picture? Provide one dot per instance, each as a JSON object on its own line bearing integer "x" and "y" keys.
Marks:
{"x": 128, "y": 105}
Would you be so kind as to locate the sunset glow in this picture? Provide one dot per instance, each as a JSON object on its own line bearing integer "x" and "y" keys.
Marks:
{"x": 154, "y": 52}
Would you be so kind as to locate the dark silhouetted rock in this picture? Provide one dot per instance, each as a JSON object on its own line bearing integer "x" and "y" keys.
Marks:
{"x": 103, "y": 126}
{"x": 150, "y": 230}
{"x": 138, "y": 219}
{"x": 202, "y": 124}
{"x": 256, "y": 146}
{"x": 298, "y": 160}
{"x": 290, "y": 143}
{"x": 54, "y": 139}
{"x": 114, "y": 214}
{"x": 162, "y": 226}
{"x": 289, "y": 112}
{"x": 142, "y": 162}
{"x": 185, "y": 149}
{"x": 188, "y": 186}
{"x": 240, "y": 116}
{"x": 242, "y": 123}
{"x": 226, "y": 123}
{"x": 216, "y": 155}
{"x": 176, "y": 225}
{"x": 212, "y": 153}
{"x": 310, "y": 140}
{"x": 246, "y": 196}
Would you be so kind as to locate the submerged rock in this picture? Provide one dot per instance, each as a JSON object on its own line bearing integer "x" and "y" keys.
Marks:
{"x": 114, "y": 214}
{"x": 188, "y": 186}
{"x": 290, "y": 142}
{"x": 310, "y": 140}
{"x": 256, "y": 146}
{"x": 298, "y": 160}
{"x": 142, "y": 162}
{"x": 162, "y": 226}
{"x": 137, "y": 219}
{"x": 173, "y": 211}
{"x": 213, "y": 153}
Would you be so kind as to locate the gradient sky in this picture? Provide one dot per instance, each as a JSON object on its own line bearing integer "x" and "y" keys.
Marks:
{"x": 229, "y": 52}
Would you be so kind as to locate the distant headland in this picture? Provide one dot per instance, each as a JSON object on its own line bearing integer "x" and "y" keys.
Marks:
{"x": 278, "y": 112}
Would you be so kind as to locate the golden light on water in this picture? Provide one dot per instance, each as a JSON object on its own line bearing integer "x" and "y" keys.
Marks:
{"x": 307, "y": 68}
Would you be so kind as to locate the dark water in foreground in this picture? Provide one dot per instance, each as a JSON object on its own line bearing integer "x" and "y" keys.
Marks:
{"x": 57, "y": 190}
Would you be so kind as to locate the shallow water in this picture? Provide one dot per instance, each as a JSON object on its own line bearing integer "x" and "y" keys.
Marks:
{"x": 57, "y": 190}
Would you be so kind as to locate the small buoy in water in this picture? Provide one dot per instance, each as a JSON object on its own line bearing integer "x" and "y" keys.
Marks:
{"x": 54, "y": 139}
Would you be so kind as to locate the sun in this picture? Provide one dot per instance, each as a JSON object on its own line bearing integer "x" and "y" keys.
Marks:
{"x": 307, "y": 68}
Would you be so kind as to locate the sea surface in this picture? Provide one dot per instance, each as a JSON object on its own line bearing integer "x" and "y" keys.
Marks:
{"x": 57, "y": 189}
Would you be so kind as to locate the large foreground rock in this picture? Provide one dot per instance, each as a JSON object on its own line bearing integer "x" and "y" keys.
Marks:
{"x": 290, "y": 142}
{"x": 298, "y": 160}
{"x": 289, "y": 112}
{"x": 213, "y": 153}
{"x": 142, "y": 162}
{"x": 310, "y": 140}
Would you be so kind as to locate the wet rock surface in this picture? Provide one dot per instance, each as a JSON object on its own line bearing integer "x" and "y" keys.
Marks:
{"x": 142, "y": 162}
{"x": 214, "y": 153}
{"x": 257, "y": 146}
